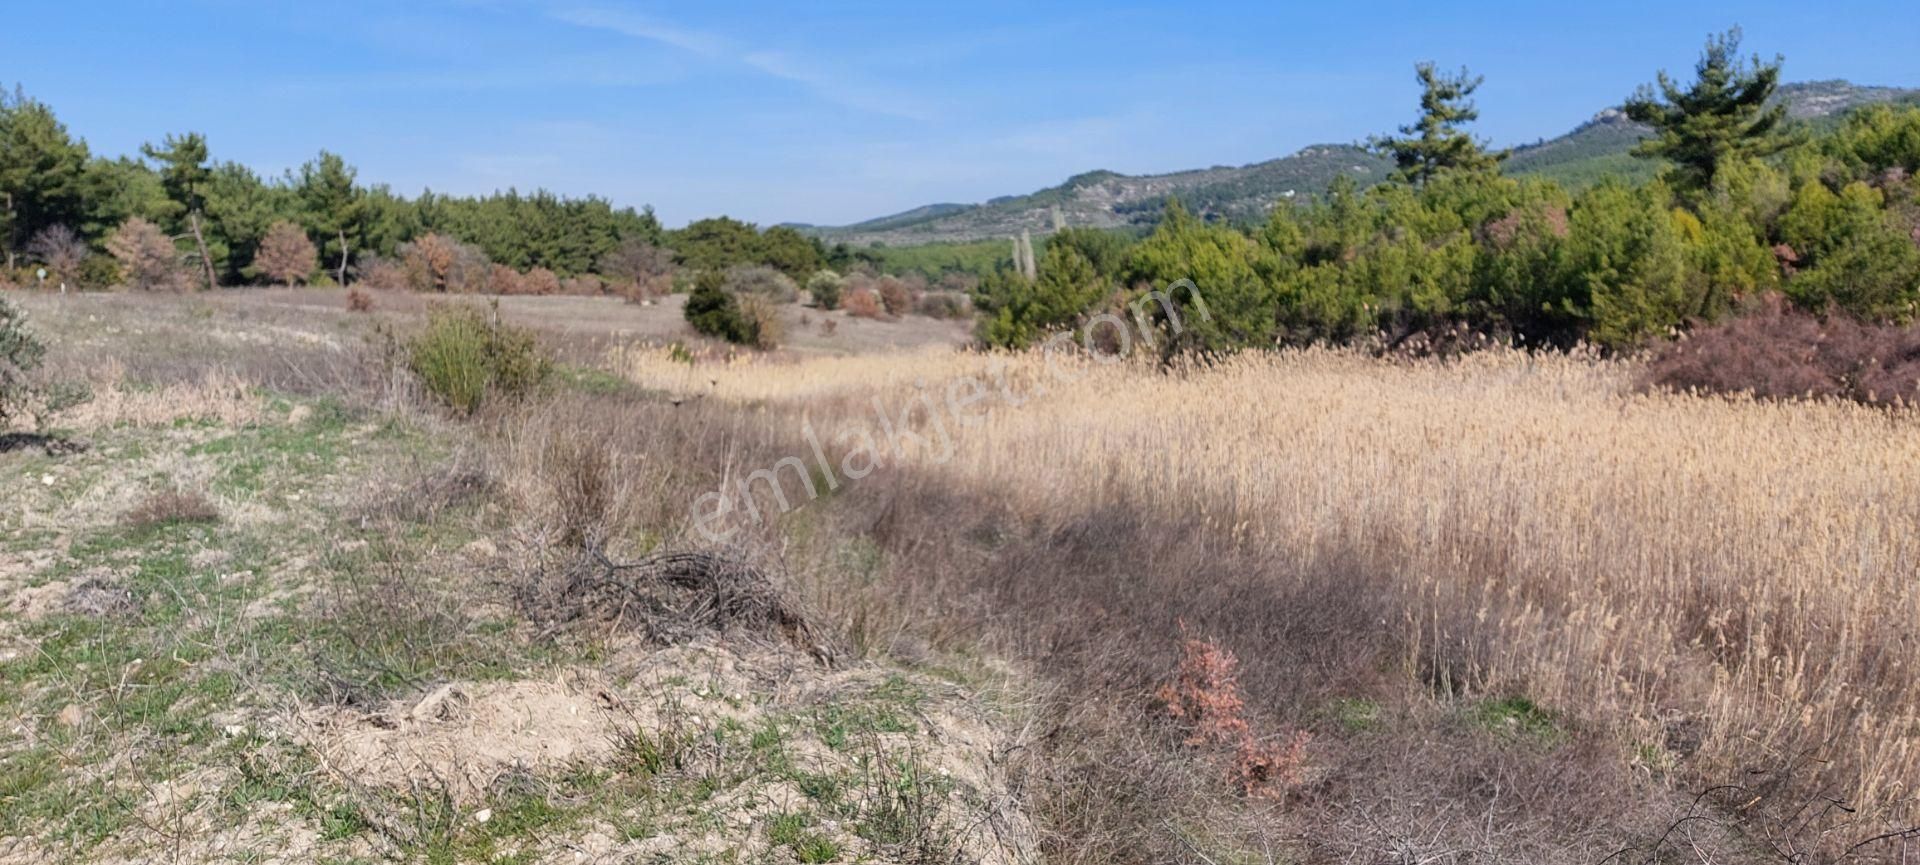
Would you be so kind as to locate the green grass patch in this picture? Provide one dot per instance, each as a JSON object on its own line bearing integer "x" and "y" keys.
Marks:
{"x": 1518, "y": 717}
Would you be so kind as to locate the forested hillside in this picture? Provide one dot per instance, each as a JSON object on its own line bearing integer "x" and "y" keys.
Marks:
{"x": 1460, "y": 248}
{"x": 1103, "y": 199}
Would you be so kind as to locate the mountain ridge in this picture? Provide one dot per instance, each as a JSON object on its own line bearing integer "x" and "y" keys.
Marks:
{"x": 1107, "y": 199}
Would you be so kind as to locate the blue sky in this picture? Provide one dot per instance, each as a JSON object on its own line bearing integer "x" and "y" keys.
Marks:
{"x": 831, "y": 113}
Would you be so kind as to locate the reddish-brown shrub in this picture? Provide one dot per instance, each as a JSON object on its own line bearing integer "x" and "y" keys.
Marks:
{"x": 894, "y": 295}
{"x": 542, "y": 281}
{"x": 286, "y": 255}
{"x": 1538, "y": 222}
{"x": 147, "y": 256}
{"x": 585, "y": 284}
{"x": 381, "y": 273}
{"x": 502, "y": 279}
{"x": 1778, "y": 352}
{"x": 1205, "y": 696}
{"x": 359, "y": 301}
{"x": 863, "y": 302}
{"x": 436, "y": 262}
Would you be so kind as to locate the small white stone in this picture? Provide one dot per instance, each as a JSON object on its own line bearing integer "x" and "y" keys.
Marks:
{"x": 46, "y": 480}
{"x": 235, "y": 730}
{"x": 483, "y": 815}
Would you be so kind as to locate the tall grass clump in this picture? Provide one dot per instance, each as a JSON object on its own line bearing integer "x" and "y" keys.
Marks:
{"x": 466, "y": 357}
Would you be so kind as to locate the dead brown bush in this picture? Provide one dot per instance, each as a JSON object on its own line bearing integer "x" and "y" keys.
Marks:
{"x": 585, "y": 285}
{"x": 762, "y": 316}
{"x": 381, "y": 273}
{"x": 542, "y": 281}
{"x": 171, "y": 507}
{"x": 896, "y": 295}
{"x": 148, "y": 259}
{"x": 1777, "y": 352}
{"x": 438, "y": 263}
{"x": 502, "y": 279}
{"x": 62, "y": 250}
{"x": 862, "y": 302}
{"x": 636, "y": 262}
{"x": 359, "y": 301}
{"x": 286, "y": 254}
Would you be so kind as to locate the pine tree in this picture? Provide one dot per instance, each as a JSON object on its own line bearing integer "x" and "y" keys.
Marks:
{"x": 1436, "y": 143}
{"x": 1722, "y": 117}
{"x": 332, "y": 207}
{"x": 184, "y": 175}
{"x": 41, "y": 172}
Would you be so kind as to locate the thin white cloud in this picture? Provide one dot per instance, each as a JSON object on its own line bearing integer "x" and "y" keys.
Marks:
{"x": 835, "y": 88}
{"x": 642, "y": 27}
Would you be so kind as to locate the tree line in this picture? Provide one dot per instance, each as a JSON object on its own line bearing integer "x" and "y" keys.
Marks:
{"x": 1745, "y": 206}
{"x": 174, "y": 215}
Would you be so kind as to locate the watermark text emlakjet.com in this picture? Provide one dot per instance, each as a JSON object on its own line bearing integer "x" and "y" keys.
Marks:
{"x": 925, "y": 425}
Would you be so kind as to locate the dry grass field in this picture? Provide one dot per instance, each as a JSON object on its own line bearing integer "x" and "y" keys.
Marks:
{"x": 1507, "y": 608}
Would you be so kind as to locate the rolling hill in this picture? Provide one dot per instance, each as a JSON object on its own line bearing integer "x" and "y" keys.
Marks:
{"x": 1105, "y": 199}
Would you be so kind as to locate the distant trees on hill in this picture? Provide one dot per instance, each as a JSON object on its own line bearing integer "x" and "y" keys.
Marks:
{"x": 218, "y": 216}
{"x": 1449, "y": 252}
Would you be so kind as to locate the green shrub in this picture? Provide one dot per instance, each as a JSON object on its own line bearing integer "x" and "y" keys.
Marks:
{"x": 714, "y": 312}
{"x": 825, "y": 287}
{"x": 1851, "y": 252}
{"x": 20, "y": 354}
{"x": 1628, "y": 256}
{"x": 466, "y": 357}
{"x": 99, "y": 271}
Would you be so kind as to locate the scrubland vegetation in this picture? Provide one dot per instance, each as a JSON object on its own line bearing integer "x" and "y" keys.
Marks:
{"x": 1308, "y": 606}
{"x": 1459, "y": 519}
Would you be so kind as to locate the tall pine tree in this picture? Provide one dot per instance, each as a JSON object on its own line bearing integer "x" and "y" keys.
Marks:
{"x": 184, "y": 175}
{"x": 41, "y": 172}
{"x": 331, "y": 206}
{"x": 1722, "y": 117}
{"x": 1436, "y": 143}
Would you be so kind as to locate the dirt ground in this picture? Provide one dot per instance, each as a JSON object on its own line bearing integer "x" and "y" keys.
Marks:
{"x": 257, "y": 610}
{"x": 808, "y": 330}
